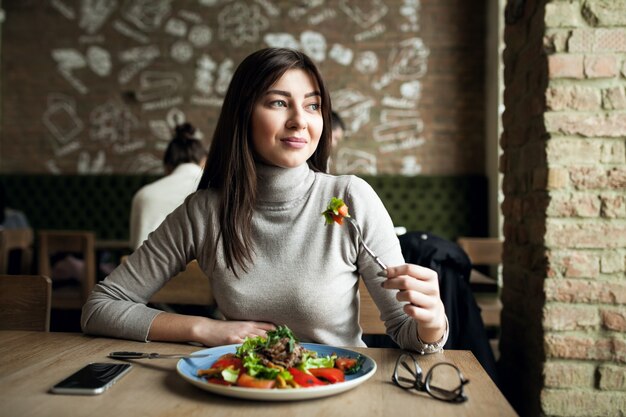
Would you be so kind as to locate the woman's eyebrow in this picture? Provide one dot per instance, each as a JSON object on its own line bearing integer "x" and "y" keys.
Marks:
{"x": 288, "y": 94}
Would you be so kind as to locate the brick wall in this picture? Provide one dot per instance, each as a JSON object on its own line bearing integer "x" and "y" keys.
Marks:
{"x": 563, "y": 340}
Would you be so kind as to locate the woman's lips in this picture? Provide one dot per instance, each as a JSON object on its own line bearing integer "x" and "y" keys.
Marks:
{"x": 294, "y": 142}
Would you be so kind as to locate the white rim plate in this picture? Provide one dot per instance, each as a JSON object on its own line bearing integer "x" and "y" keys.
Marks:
{"x": 188, "y": 369}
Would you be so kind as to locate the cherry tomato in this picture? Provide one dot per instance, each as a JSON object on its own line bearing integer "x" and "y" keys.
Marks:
{"x": 332, "y": 375}
{"x": 345, "y": 364}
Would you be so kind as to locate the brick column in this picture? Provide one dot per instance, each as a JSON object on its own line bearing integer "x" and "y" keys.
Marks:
{"x": 563, "y": 342}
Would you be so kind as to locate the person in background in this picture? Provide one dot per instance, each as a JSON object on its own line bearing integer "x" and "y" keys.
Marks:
{"x": 183, "y": 162}
{"x": 256, "y": 229}
{"x": 338, "y": 129}
{"x": 11, "y": 218}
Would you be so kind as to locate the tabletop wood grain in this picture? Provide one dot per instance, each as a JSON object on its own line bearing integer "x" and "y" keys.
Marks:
{"x": 31, "y": 362}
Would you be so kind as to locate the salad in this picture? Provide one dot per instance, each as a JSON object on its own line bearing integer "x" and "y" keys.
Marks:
{"x": 278, "y": 361}
{"x": 336, "y": 211}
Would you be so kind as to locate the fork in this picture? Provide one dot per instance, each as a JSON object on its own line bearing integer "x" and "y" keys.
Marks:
{"x": 356, "y": 227}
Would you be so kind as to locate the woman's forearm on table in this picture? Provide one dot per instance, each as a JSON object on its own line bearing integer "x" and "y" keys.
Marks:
{"x": 209, "y": 332}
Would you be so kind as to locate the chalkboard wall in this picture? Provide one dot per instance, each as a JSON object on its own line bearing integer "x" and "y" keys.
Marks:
{"x": 95, "y": 86}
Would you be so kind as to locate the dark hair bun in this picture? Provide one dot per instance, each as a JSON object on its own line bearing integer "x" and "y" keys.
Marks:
{"x": 185, "y": 131}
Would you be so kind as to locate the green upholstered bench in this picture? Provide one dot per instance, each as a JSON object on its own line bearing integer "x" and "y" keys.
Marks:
{"x": 449, "y": 206}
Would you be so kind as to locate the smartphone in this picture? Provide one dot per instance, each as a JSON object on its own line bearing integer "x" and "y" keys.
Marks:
{"x": 92, "y": 379}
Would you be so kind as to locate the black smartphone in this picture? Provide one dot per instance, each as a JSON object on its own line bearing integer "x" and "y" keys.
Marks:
{"x": 92, "y": 379}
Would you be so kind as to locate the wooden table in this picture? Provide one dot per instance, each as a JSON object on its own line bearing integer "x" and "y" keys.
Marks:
{"x": 31, "y": 362}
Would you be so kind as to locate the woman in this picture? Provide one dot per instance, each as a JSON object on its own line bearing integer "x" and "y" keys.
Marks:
{"x": 256, "y": 229}
{"x": 183, "y": 161}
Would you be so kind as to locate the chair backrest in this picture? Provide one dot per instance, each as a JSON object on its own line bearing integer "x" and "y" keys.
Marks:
{"x": 16, "y": 239}
{"x": 369, "y": 316}
{"x": 64, "y": 241}
{"x": 25, "y": 302}
{"x": 482, "y": 251}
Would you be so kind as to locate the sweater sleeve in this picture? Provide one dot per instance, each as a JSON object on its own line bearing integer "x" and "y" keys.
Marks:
{"x": 378, "y": 233}
{"x": 117, "y": 305}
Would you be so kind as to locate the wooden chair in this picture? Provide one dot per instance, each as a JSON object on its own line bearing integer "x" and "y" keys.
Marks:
{"x": 25, "y": 302}
{"x": 369, "y": 316}
{"x": 16, "y": 239}
{"x": 80, "y": 242}
{"x": 191, "y": 287}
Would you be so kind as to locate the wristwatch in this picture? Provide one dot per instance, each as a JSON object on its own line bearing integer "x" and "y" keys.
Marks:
{"x": 436, "y": 346}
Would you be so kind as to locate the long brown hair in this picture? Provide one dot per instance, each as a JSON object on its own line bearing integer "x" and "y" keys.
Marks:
{"x": 230, "y": 167}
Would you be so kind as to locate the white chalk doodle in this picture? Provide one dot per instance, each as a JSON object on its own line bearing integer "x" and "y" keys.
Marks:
{"x": 112, "y": 123}
{"x": 240, "y": 23}
{"x": 85, "y": 165}
{"x": 206, "y": 101}
{"x": 176, "y": 27}
{"x": 65, "y": 10}
{"x": 410, "y": 10}
{"x": 341, "y": 54}
{"x": 162, "y": 104}
{"x": 205, "y": 66}
{"x": 322, "y": 16}
{"x": 224, "y": 75}
{"x": 159, "y": 129}
{"x": 269, "y": 8}
{"x": 398, "y": 102}
{"x": 200, "y": 36}
{"x": 126, "y": 30}
{"x": 408, "y": 61}
{"x": 190, "y": 16}
{"x": 314, "y": 45}
{"x": 402, "y": 145}
{"x": 99, "y": 60}
{"x": 52, "y": 166}
{"x": 94, "y": 14}
{"x": 209, "y": 3}
{"x": 411, "y": 90}
{"x": 398, "y": 125}
{"x": 181, "y": 51}
{"x": 138, "y": 58}
{"x": 376, "y": 30}
{"x": 354, "y": 108}
{"x": 144, "y": 163}
{"x": 129, "y": 147}
{"x": 281, "y": 40}
{"x": 303, "y": 8}
{"x": 175, "y": 117}
{"x": 410, "y": 166}
{"x": 356, "y": 161}
{"x": 67, "y": 149}
{"x": 157, "y": 85}
{"x": 68, "y": 60}
{"x": 147, "y": 15}
{"x": 366, "y": 62}
{"x": 60, "y": 118}
{"x": 364, "y": 12}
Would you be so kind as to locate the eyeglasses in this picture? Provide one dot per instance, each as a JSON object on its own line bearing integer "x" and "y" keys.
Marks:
{"x": 444, "y": 381}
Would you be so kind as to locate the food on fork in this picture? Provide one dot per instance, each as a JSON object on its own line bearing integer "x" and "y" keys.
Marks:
{"x": 336, "y": 211}
{"x": 278, "y": 361}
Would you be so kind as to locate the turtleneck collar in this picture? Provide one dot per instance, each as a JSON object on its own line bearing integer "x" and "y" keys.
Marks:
{"x": 281, "y": 185}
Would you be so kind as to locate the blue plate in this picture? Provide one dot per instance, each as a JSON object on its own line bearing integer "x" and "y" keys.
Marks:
{"x": 188, "y": 369}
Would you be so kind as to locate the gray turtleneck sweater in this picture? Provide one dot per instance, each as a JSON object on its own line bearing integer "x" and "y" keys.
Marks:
{"x": 305, "y": 274}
